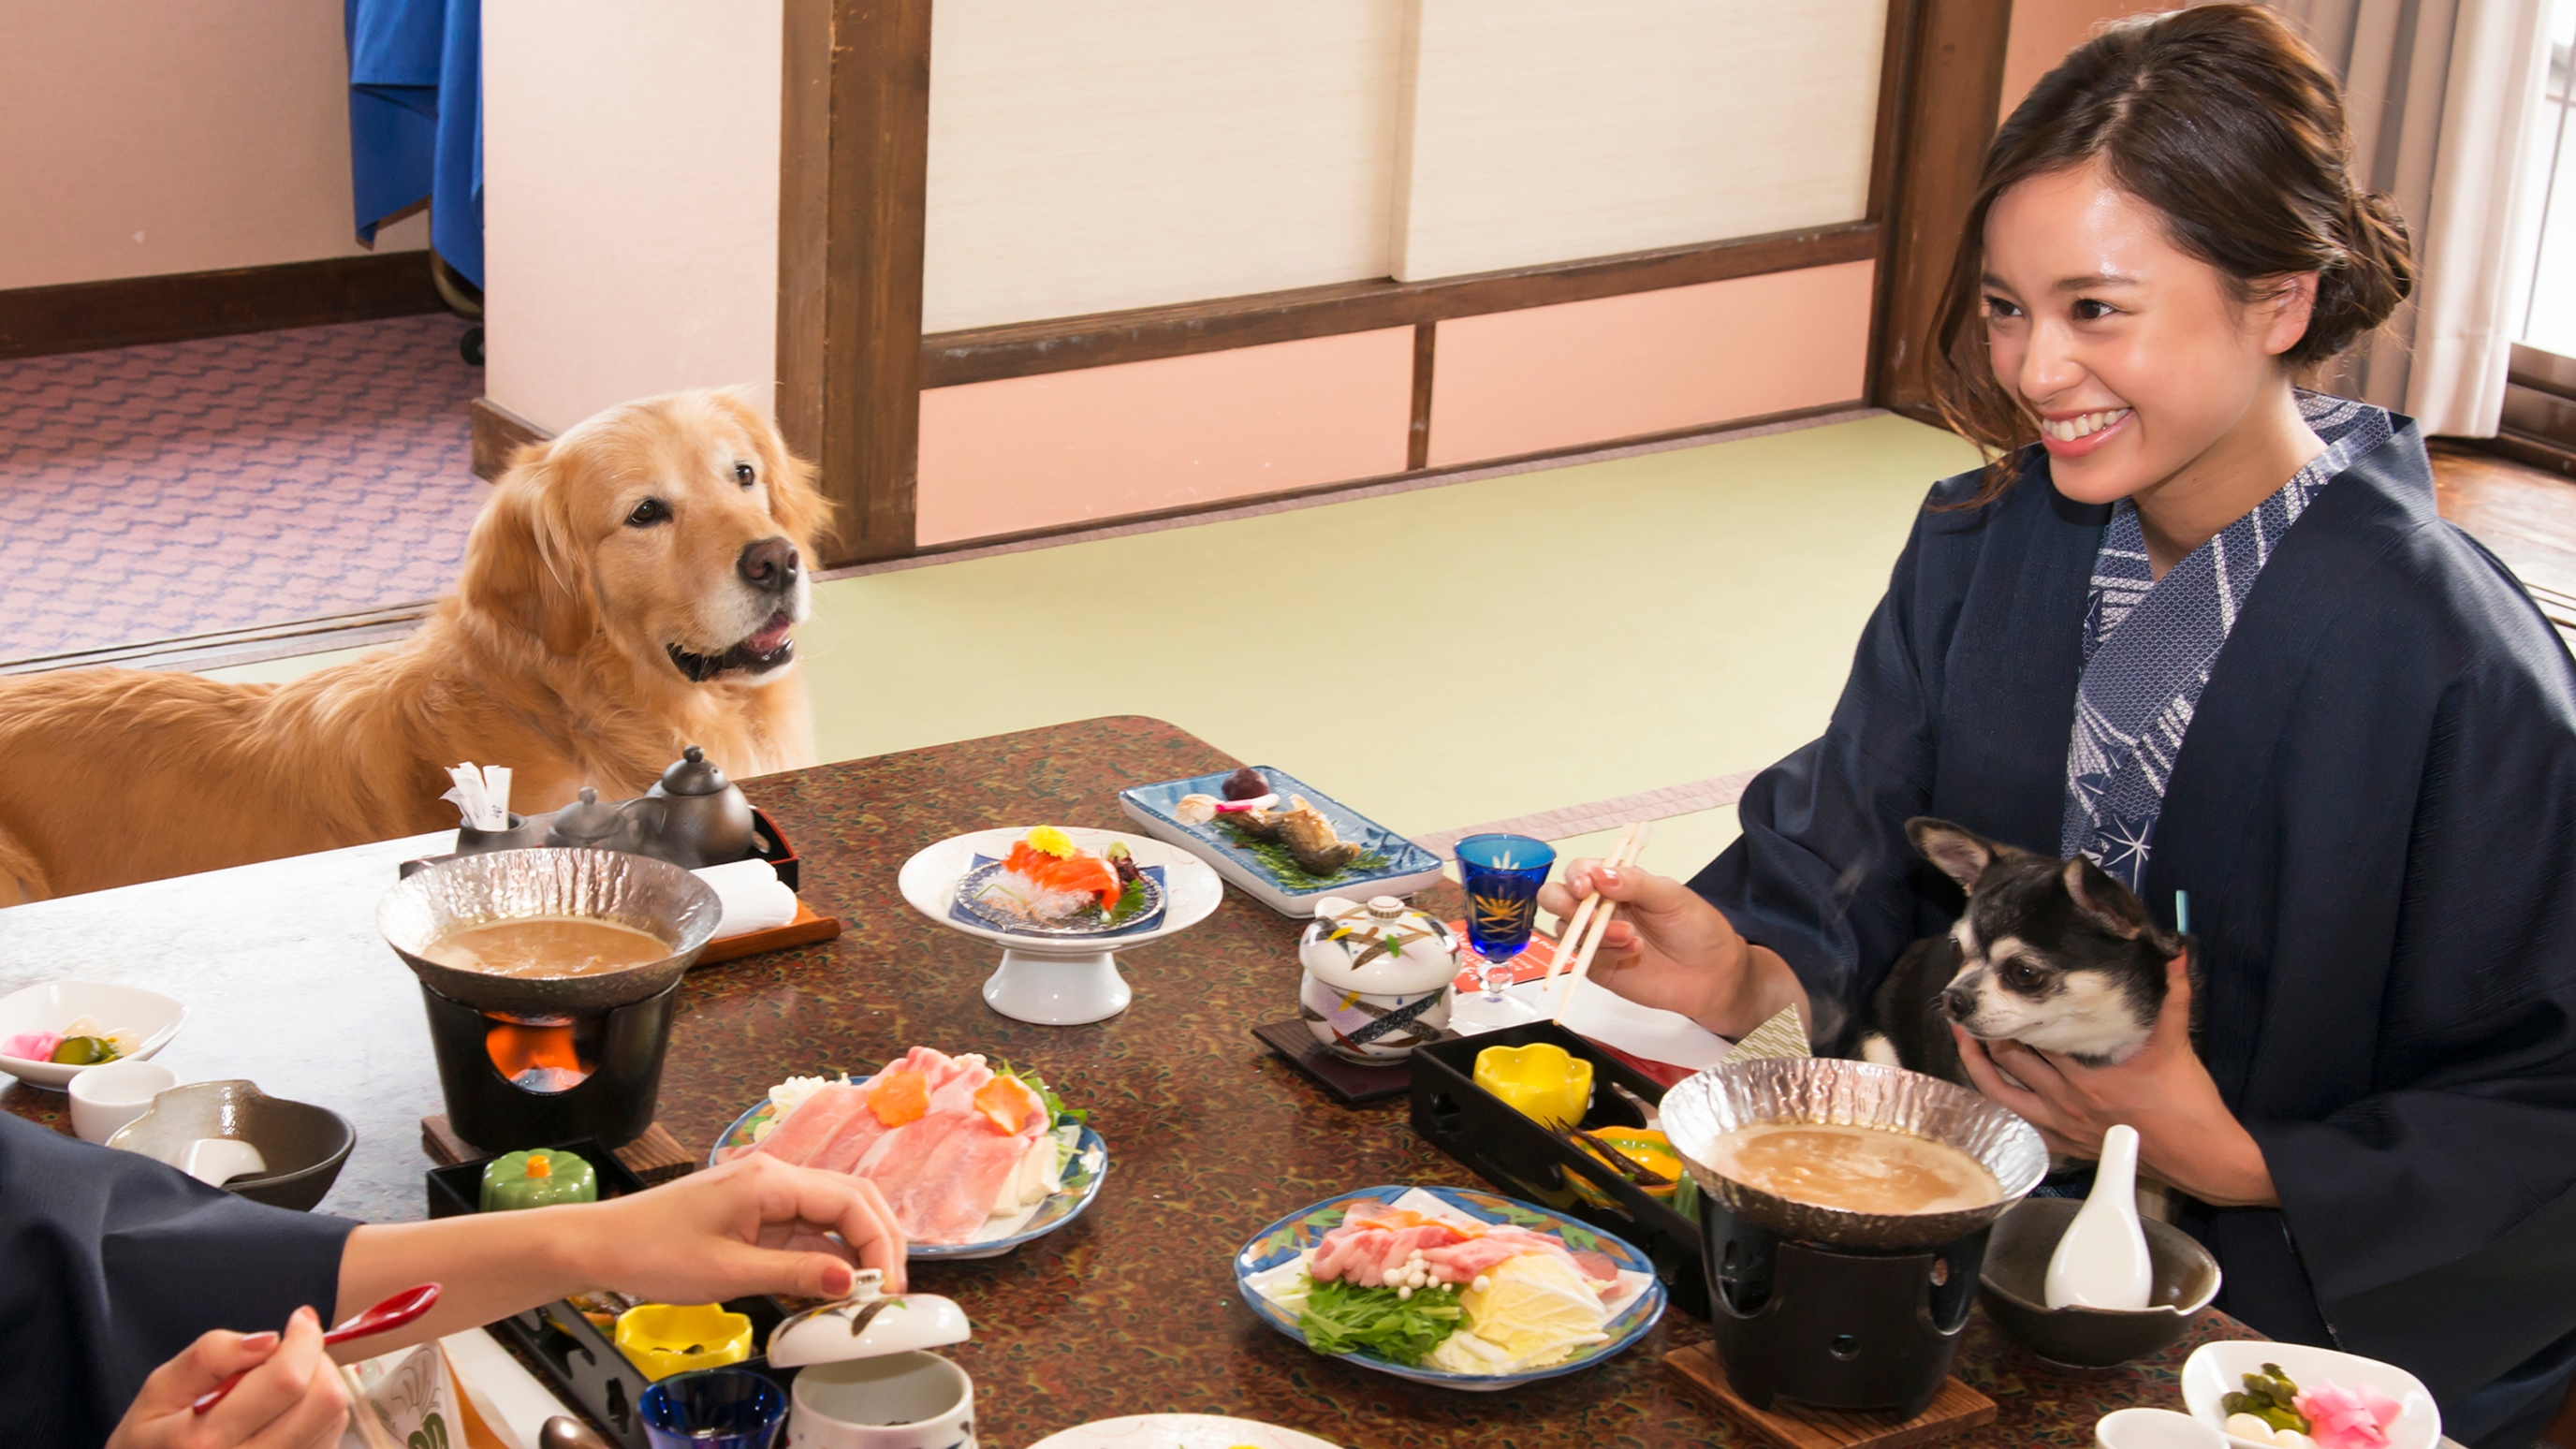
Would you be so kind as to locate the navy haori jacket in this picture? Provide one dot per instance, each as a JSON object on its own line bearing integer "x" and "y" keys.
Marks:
{"x": 2374, "y": 812}
{"x": 111, "y": 1263}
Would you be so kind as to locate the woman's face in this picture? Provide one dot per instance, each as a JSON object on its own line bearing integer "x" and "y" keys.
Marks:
{"x": 2132, "y": 354}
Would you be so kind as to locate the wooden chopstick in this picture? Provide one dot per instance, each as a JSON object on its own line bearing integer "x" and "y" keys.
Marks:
{"x": 1601, "y": 922}
{"x": 1571, "y": 937}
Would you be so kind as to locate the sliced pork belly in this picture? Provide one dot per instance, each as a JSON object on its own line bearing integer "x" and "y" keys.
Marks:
{"x": 810, "y": 1130}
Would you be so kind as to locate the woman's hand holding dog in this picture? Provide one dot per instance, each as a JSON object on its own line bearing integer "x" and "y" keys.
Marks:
{"x": 1672, "y": 950}
{"x": 2186, "y": 1135}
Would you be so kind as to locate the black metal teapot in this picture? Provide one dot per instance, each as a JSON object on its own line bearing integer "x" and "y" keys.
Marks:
{"x": 692, "y": 817}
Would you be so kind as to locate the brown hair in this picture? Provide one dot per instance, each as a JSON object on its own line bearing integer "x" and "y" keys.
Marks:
{"x": 2221, "y": 118}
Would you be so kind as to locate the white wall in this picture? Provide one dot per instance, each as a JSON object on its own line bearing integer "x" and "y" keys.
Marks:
{"x": 1538, "y": 131}
{"x": 630, "y": 201}
{"x": 154, "y": 136}
{"x": 1092, "y": 157}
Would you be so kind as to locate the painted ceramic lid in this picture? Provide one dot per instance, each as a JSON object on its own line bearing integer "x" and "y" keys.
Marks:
{"x": 867, "y": 1325}
{"x": 1381, "y": 947}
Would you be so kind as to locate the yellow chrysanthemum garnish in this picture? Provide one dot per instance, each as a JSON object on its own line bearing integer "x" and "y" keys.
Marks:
{"x": 1053, "y": 841}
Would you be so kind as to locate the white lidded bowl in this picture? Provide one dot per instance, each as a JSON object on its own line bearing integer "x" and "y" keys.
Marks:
{"x": 2216, "y": 1370}
{"x": 56, "y": 1004}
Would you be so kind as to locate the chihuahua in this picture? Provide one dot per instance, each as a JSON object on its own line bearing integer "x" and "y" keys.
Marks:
{"x": 2056, "y": 955}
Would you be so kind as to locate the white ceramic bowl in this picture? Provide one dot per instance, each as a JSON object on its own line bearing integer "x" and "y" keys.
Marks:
{"x": 2216, "y": 1370}
{"x": 57, "y": 1004}
{"x": 107, "y": 1096}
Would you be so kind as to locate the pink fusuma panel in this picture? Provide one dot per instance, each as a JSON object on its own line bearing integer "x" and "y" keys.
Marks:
{"x": 1068, "y": 448}
{"x": 1542, "y": 378}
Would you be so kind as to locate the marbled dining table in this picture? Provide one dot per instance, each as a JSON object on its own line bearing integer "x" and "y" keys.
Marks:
{"x": 1130, "y": 1309}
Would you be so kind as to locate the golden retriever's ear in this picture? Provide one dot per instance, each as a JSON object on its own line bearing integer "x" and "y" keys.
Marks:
{"x": 803, "y": 513}
{"x": 520, "y": 568}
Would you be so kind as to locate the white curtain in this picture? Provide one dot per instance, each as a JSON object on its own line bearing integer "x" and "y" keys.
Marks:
{"x": 2443, "y": 98}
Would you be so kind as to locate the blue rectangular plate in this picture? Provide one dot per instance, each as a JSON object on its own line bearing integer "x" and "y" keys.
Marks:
{"x": 1408, "y": 866}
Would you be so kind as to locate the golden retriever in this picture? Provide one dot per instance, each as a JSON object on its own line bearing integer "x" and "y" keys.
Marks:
{"x": 630, "y": 588}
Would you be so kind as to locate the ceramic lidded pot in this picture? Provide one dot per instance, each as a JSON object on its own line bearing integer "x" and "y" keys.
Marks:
{"x": 1377, "y": 978}
{"x": 704, "y": 819}
{"x": 869, "y": 1380}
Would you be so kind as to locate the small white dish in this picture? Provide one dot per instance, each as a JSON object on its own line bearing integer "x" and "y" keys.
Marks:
{"x": 107, "y": 1096}
{"x": 1057, "y": 980}
{"x": 1179, "y": 1431}
{"x": 2216, "y": 1370}
{"x": 56, "y": 1004}
{"x": 2154, "y": 1429}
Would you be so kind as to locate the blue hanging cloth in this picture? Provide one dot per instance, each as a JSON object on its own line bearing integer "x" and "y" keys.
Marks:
{"x": 416, "y": 120}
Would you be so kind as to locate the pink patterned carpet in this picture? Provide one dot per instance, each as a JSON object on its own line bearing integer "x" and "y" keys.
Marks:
{"x": 152, "y": 492}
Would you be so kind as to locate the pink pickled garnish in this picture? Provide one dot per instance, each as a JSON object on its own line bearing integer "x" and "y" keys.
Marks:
{"x": 2342, "y": 1418}
{"x": 31, "y": 1046}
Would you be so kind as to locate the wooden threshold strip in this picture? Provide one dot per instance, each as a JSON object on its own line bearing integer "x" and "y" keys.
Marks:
{"x": 1024, "y": 349}
{"x": 239, "y": 646}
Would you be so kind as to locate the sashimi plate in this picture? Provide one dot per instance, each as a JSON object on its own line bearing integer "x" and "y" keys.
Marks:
{"x": 1402, "y": 867}
{"x": 929, "y": 883}
{"x": 971, "y": 898}
{"x": 1180, "y": 1431}
{"x": 1634, "y": 1306}
{"x": 1082, "y": 1178}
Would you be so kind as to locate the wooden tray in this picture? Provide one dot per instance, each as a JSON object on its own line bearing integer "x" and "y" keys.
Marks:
{"x": 1350, "y": 1083}
{"x": 805, "y": 930}
{"x": 1955, "y": 1409}
{"x": 655, "y": 1157}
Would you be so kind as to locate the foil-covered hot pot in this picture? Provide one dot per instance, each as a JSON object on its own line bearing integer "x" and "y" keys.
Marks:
{"x": 536, "y": 1061}
{"x": 1706, "y": 1107}
{"x": 1827, "y": 1307}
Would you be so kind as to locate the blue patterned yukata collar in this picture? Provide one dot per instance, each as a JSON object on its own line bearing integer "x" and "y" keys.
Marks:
{"x": 2149, "y": 645}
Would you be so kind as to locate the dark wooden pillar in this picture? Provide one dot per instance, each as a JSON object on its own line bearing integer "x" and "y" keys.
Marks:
{"x": 854, "y": 152}
{"x": 1943, "y": 81}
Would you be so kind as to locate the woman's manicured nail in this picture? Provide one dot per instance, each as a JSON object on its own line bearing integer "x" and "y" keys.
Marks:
{"x": 260, "y": 1342}
{"x": 1609, "y": 875}
{"x": 836, "y": 1280}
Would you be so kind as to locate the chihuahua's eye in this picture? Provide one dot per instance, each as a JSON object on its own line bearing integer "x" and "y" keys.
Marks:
{"x": 648, "y": 513}
{"x": 742, "y": 474}
{"x": 2024, "y": 975}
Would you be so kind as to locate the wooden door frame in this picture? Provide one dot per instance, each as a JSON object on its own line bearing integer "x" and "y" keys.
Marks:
{"x": 1938, "y": 104}
{"x": 854, "y": 144}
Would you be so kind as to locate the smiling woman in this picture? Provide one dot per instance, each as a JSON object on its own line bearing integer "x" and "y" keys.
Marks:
{"x": 2208, "y": 630}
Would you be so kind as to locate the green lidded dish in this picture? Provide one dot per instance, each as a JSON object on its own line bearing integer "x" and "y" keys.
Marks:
{"x": 536, "y": 1178}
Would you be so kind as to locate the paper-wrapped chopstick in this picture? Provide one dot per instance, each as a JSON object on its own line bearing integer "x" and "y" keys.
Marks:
{"x": 481, "y": 796}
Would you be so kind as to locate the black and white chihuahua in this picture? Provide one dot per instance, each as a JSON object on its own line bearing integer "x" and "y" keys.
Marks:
{"x": 2056, "y": 955}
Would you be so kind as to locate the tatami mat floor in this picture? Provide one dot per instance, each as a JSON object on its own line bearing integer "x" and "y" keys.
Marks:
{"x": 1438, "y": 658}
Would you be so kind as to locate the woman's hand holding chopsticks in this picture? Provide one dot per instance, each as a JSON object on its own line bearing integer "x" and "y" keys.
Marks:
{"x": 1671, "y": 949}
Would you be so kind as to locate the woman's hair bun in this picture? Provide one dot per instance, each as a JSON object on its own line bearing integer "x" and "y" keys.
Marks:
{"x": 2376, "y": 274}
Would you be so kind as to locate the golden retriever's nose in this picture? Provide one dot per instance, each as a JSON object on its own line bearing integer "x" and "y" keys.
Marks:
{"x": 769, "y": 565}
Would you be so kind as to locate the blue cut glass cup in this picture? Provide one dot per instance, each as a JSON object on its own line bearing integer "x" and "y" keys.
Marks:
{"x": 724, "y": 1408}
{"x": 1502, "y": 874}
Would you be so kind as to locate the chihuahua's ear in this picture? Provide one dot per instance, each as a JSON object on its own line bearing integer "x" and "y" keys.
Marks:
{"x": 2100, "y": 898}
{"x": 1962, "y": 854}
{"x": 521, "y": 570}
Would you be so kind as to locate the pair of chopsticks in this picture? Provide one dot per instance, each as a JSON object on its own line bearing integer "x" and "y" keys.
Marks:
{"x": 1623, "y": 854}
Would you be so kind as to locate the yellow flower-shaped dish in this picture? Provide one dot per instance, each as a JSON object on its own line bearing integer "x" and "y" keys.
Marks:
{"x": 1541, "y": 1081}
{"x": 663, "y": 1339}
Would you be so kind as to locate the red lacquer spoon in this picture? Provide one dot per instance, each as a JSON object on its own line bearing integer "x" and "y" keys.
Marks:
{"x": 393, "y": 1313}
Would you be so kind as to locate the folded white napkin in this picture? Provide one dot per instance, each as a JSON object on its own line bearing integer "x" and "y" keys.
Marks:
{"x": 754, "y": 898}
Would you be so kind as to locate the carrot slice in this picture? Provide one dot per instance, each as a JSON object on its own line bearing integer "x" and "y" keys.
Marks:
{"x": 1006, "y": 1101}
{"x": 900, "y": 1097}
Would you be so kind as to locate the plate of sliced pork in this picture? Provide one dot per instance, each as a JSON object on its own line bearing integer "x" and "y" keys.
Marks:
{"x": 1449, "y": 1286}
{"x": 975, "y": 1159}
